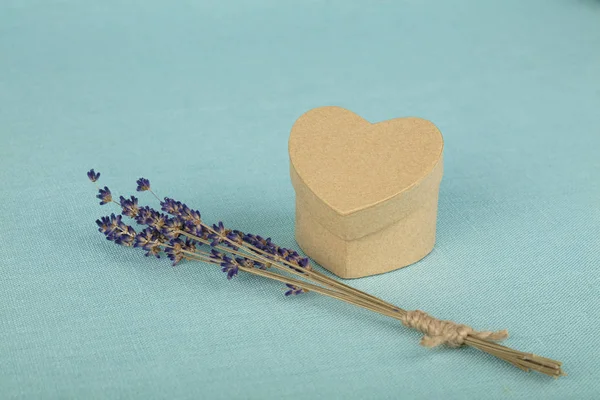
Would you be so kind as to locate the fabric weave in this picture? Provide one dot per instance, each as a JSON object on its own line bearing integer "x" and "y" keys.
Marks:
{"x": 199, "y": 97}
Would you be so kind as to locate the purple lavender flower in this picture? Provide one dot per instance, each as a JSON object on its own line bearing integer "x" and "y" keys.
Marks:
{"x": 103, "y": 224}
{"x": 125, "y": 237}
{"x": 218, "y": 235}
{"x": 93, "y": 176}
{"x": 171, "y": 206}
{"x": 259, "y": 265}
{"x": 145, "y": 215}
{"x": 171, "y": 228}
{"x": 273, "y": 251}
{"x": 104, "y": 195}
{"x": 158, "y": 221}
{"x": 270, "y": 250}
{"x": 283, "y": 253}
{"x": 270, "y": 247}
{"x": 292, "y": 256}
{"x": 189, "y": 245}
{"x": 174, "y": 251}
{"x": 130, "y": 206}
{"x": 190, "y": 217}
{"x": 260, "y": 240}
{"x": 230, "y": 267}
{"x": 196, "y": 230}
{"x": 248, "y": 238}
{"x": 107, "y": 225}
{"x": 256, "y": 241}
{"x": 234, "y": 239}
{"x": 148, "y": 240}
{"x": 235, "y": 236}
{"x": 116, "y": 230}
{"x": 143, "y": 184}
{"x": 154, "y": 251}
{"x": 177, "y": 248}
{"x": 216, "y": 255}
{"x": 263, "y": 245}
{"x": 152, "y": 218}
{"x": 303, "y": 262}
{"x": 244, "y": 262}
{"x": 293, "y": 290}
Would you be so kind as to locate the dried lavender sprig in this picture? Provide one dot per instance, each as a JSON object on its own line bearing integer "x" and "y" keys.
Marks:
{"x": 414, "y": 319}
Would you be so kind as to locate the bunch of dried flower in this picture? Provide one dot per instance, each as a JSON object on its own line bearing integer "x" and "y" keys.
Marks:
{"x": 180, "y": 233}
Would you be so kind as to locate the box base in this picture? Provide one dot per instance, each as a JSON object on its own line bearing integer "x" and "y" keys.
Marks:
{"x": 398, "y": 245}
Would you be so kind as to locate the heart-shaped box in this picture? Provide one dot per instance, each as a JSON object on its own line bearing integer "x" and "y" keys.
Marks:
{"x": 366, "y": 194}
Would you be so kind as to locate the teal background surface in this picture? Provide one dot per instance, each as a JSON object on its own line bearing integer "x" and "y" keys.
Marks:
{"x": 199, "y": 97}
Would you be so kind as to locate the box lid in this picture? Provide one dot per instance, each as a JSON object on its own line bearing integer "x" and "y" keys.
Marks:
{"x": 356, "y": 177}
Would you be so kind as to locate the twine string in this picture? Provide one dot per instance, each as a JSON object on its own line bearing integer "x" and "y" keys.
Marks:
{"x": 437, "y": 332}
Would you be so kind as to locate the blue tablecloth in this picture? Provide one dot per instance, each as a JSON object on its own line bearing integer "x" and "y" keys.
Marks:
{"x": 199, "y": 97}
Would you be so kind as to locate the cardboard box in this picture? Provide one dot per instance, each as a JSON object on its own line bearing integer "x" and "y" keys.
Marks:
{"x": 366, "y": 194}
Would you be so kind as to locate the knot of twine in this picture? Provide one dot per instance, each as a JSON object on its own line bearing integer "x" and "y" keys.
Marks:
{"x": 437, "y": 332}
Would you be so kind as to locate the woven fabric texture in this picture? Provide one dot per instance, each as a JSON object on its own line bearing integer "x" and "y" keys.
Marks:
{"x": 199, "y": 97}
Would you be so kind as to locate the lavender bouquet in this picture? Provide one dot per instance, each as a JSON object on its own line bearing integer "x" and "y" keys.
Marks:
{"x": 179, "y": 232}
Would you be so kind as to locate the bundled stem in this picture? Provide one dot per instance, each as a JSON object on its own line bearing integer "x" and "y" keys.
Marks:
{"x": 335, "y": 289}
